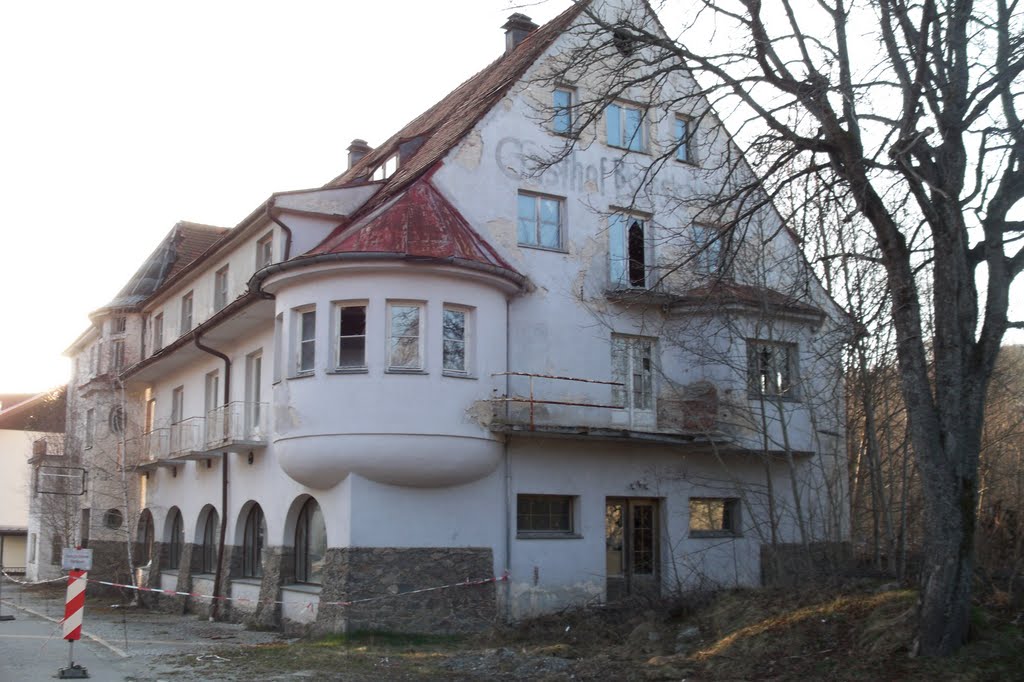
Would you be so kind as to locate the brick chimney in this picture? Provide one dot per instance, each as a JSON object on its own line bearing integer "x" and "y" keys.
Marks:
{"x": 517, "y": 28}
{"x": 357, "y": 150}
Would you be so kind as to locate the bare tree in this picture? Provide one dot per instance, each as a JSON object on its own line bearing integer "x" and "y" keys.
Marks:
{"x": 915, "y": 143}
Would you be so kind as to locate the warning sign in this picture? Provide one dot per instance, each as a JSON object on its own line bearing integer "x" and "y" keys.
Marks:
{"x": 76, "y": 559}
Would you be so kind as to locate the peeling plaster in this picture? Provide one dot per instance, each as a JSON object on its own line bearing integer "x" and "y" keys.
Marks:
{"x": 471, "y": 151}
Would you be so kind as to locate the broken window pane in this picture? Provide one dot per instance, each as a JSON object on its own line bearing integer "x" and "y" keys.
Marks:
{"x": 632, "y": 366}
{"x": 771, "y": 368}
{"x": 352, "y": 336}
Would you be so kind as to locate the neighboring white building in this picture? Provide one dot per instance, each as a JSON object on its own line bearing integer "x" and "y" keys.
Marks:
{"x": 30, "y": 426}
{"x": 442, "y": 365}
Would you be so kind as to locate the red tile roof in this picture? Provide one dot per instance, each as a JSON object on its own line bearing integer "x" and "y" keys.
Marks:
{"x": 447, "y": 122}
{"x": 420, "y": 223}
{"x": 183, "y": 245}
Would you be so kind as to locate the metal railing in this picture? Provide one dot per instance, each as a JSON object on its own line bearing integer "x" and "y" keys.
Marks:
{"x": 187, "y": 436}
{"x": 237, "y": 422}
{"x": 532, "y": 400}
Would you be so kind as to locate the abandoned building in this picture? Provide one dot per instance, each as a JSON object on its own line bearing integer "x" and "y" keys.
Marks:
{"x": 451, "y": 362}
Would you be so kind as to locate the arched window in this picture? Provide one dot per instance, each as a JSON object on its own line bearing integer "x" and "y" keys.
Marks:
{"x": 146, "y": 537}
{"x": 209, "y": 547}
{"x": 252, "y": 543}
{"x": 175, "y": 541}
{"x": 310, "y": 544}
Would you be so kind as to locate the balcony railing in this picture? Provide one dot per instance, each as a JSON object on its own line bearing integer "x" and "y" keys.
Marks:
{"x": 237, "y": 424}
{"x": 187, "y": 437}
{"x": 541, "y": 401}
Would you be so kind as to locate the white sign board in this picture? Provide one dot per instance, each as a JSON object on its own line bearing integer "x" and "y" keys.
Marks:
{"x": 79, "y": 559}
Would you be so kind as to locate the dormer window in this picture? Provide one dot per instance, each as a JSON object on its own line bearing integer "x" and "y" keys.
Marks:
{"x": 119, "y": 325}
{"x": 386, "y": 169}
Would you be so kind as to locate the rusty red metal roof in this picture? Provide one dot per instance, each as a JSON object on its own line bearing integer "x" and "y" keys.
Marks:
{"x": 420, "y": 223}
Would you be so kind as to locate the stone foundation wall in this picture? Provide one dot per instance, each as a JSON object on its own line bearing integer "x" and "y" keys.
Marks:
{"x": 364, "y": 572}
{"x": 277, "y": 563}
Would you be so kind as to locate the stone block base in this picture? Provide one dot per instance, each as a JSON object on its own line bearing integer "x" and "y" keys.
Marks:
{"x": 385, "y": 573}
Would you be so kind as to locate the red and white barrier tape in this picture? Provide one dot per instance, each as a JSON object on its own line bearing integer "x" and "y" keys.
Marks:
{"x": 351, "y": 602}
{"x": 10, "y": 577}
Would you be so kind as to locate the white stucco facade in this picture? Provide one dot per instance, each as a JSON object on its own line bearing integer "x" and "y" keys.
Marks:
{"x": 512, "y": 399}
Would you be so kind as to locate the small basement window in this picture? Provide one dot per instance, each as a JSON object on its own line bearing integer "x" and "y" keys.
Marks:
{"x": 545, "y": 516}
{"x": 714, "y": 517}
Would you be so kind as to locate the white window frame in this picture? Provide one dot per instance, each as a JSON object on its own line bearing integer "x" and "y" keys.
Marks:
{"x": 187, "y": 313}
{"x": 563, "y": 112}
{"x": 157, "y": 326}
{"x": 466, "y": 340}
{"x": 421, "y": 336}
{"x": 177, "y": 405}
{"x": 339, "y": 308}
{"x": 279, "y": 344}
{"x": 265, "y": 250}
{"x": 620, "y": 259}
{"x": 707, "y": 249}
{"x": 386, "y": 169}
{"x": 781, "y": 381}
{"x": 300, "y": 341}
{"x": 220, "y": 288}
{"x": 616, "y": 115}
{"x": 254, "y": 393}
{"x": 633, "y": 349}
{"x": 117, "y": 350}
{"x": 682, "y": 136}
{"x": 537, "y": 199}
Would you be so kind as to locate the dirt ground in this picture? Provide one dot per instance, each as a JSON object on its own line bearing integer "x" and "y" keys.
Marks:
{"x": 863, "y": 632}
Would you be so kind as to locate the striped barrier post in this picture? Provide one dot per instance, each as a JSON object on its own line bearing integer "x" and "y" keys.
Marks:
{"x": 77, "y": 563}
{"x": 74, "y": 605}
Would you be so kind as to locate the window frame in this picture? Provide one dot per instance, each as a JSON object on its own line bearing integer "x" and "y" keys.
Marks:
{"x": 253, "y": 541}
{"x": 90, "y": 428}
{"x": 629, "y": 343}
{"x": 420, "y": 368}
{"x": 303, "y": 573}
{"x": 339, "y": 308}
{"x": 732, "y": 526}
{"x": 569, "y": 533}
{"x": 208, "y": 547}
{"x": 176, "y": 541}
{"x": 301, "y": 342}
{"x": 566, "y": 111}
{"x": 157, "y": 330}
{"x": 117, "y": 349}
{"x": 623, "y": 106}
{"x": 620, "y": 224}
{"x": 683, "y": 142}
{"x": 187, "y": 312}
{"x": 265, "y": 250}
{"x": 707, "y": 249}
{"x": 467, "y": 340}
{"x": 537, "y": 198}
{"x": 220, "y": 288}
{"x": 756, "y": 387}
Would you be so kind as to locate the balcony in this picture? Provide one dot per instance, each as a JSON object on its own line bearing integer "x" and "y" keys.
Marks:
{"x": 237, "y": 427}
{"x": 576, "y": 407}
{"x": 151, "y": 449}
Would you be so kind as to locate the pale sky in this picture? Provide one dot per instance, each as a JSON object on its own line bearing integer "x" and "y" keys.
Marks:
{"x": 117, "y": 119}
{"x": 120, "y": 118}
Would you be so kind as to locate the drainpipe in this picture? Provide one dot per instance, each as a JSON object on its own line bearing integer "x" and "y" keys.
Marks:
{"x": 287, "y": 230}
{"x": 508, "y": 472}
{"x": 215, "y": 610}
